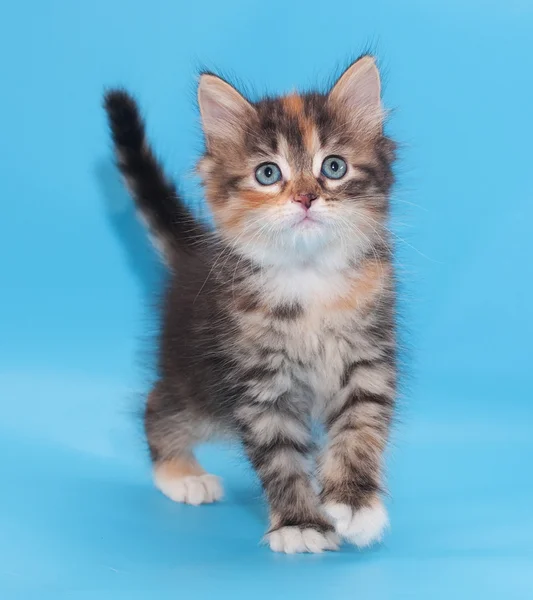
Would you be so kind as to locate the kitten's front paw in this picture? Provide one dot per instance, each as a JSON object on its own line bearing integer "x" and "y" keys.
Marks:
{"x": 191, "y": 489}
{"x": 361, "y": 527}
{"x": 295, "y": 539}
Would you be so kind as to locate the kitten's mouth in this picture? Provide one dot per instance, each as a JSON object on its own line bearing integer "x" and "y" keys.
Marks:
{"x": 306, "y": 221}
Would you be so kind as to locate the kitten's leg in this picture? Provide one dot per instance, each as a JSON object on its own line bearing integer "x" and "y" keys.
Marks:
{"x": 278, "y": 442}
{"x": 172, "y": 431}
{"x": 350, "y": 469}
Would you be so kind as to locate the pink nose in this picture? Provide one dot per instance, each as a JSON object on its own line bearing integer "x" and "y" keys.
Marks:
{"x": 305, "y": 199}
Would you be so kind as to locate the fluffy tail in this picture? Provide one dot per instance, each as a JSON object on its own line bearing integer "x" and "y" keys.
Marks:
{"x": 170, "y": 222}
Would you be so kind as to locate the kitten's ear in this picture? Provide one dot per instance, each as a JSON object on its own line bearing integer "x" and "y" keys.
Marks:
{"x": 359, "y": 90}
{"x": 223, "y": 110}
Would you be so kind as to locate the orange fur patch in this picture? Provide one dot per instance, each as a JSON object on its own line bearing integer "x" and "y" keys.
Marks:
{"x": 248, "y": 200}
{"x": 176, "y": 468}
{"x": 294, "y": 105}
{"x": 363, "y": 288}
{"x": 309, "y": 135}
{"x": 251, "y": 199}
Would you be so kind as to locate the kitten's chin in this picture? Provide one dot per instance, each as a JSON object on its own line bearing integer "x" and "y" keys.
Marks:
{"x": 288, "y": 246}
{"x": 309, "y": 232}
{"x": 308, "y": 237}
{"x": 290, "y": 241}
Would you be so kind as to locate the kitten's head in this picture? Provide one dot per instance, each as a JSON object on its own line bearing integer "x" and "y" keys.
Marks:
{"x": 287, "y": 178}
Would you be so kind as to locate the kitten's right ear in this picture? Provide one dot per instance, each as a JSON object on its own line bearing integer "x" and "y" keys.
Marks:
{"x": 223, "y": 110}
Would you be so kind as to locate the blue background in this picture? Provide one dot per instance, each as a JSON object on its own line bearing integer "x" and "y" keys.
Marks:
{"x": 77, "y": 509}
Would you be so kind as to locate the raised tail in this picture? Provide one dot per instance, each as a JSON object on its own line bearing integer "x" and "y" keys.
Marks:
{"x": 170, "y": 222}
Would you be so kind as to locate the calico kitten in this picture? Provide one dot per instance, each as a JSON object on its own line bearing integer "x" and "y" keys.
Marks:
{"x": 285, "y": 313}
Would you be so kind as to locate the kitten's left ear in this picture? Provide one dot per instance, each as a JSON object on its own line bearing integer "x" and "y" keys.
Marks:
{"x": 358, "y": 90}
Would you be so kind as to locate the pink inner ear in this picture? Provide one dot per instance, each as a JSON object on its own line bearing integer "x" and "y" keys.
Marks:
{"x": 222, "y": 107}
{"x": 359, "y": 87}
{"x": 366, "y": 89}
{"x": 214, "y": 110}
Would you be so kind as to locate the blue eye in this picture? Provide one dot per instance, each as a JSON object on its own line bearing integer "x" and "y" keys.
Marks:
{"x": 334, "y": 167}
{"x": 268, "y": 173}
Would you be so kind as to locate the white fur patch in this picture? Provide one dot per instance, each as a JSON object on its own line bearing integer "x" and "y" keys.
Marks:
{"x": 293, "y": 539}
{"x": 191, "y": 489}
{"x": 362, "y": 527}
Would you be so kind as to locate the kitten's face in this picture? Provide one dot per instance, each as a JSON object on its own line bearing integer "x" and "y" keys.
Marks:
{"x": 290, "y": 177}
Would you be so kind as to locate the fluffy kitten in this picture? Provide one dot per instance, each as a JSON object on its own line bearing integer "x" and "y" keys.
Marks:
{"x": 285, "y": 313}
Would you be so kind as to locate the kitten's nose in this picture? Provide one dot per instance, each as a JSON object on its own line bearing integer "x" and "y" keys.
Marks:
{"x": 305, "y": 199}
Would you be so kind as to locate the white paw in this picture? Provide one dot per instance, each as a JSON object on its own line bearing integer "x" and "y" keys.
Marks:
{"x": 293, "y": 539}
{"x": 191, "y": 489}
{"x": 361, "y": 527}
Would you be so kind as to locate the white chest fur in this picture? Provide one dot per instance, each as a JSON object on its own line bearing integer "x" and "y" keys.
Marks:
{"x": 307, "y": 323}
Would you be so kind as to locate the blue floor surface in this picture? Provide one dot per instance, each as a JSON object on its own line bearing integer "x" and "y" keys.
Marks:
{"x": 79, "y": 516}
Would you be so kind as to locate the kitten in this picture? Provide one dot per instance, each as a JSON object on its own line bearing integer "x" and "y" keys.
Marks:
{"x": 283, "y": 315}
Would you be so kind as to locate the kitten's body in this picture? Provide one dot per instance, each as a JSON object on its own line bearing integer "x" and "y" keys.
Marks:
{"x": 278, "y": 317}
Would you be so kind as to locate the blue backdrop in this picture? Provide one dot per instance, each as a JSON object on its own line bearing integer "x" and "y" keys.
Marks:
{"x": 77, "y": 509}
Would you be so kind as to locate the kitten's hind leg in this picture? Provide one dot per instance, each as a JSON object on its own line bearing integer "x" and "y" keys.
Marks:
{"x": 172, "y": 431}
{"x": 182, "y": 479}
